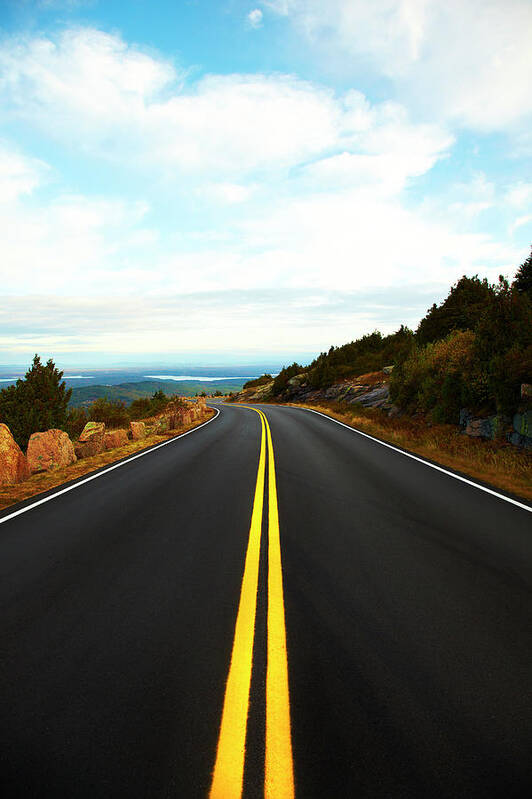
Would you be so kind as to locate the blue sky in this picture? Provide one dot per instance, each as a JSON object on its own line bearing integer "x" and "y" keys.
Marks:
{"x": 199, "y": 180}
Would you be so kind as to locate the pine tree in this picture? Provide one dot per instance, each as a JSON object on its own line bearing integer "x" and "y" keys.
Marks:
{"x": 523, "y": 277}
{"x": 38, "y": 402}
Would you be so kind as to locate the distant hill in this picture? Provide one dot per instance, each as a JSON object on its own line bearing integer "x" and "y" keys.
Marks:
{"x": 127, "y": 392}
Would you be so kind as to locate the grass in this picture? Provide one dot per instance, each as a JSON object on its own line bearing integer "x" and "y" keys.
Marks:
{"x": 44, "y": 481}
{"x": 495, "y": 462}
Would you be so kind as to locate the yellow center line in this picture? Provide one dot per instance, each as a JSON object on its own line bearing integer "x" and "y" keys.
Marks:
{"x": 228, "y": 774}
{"x": 279, "y": 772}
{"x": 229, "y": 767}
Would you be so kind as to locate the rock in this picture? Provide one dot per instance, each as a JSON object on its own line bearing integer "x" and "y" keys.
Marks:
{"x": 479, "y": 428}
{"x": 52, "y": 449}
{"x": 138, "y": 430}
{"x": 374, "y": 398}
{"x": 91, "y": 440}
{"x": 115, "y": 438}
{"x": 393, "y": 411}
{"x": 297, "y": 380}
{"x": 334, "y": 391}
{"x": 520, "y": 441}
{"x": 13, "y": 464}
{"x": 465, "y": 416}
{"x": 522, "y": 423}
{"x": 387, "y": 370}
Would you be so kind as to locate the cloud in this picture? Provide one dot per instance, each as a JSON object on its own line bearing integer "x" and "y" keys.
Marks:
{"x": 255, "y": 18}
{"x": 19, "y": 174}
{"x": 465, "y": 60}
{"x": 271, "y": 193}
{"x": 89, "y": 87}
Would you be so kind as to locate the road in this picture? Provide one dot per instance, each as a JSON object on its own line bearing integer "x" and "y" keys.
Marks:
{"x": 360, "y": 622}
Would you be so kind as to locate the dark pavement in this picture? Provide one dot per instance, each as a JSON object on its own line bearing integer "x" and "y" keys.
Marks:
{"x": 408, "y": 622}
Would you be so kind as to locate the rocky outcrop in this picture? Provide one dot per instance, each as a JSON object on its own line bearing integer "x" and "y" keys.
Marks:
{"x": 91, "y": 440}
{"x": 371, "y": 391}
{"x": 13, "y": 465}
{"x": 138, "y": 430}
{"x": 521, "y": 435}
{"x": 517, "y": 431}
{"x": 52, "y": 449}
{"x": 115, "y": 438}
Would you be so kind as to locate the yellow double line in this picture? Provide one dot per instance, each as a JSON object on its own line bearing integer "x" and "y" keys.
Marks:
{"x": 227, "y": 782}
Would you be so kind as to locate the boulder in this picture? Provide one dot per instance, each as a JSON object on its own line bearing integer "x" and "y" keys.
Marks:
{"x": 52, "y": 449}
{"x": 13, "y": 464}
{"x": 115, "y": 438}
{"x": 374, "y": 398}
{"x": 387, "y": 370}
{"x": 521, "y": 436}
{"x": 138, "y": 430}
{"x": 479, "y": 428}
{"x": 91, "y": 440}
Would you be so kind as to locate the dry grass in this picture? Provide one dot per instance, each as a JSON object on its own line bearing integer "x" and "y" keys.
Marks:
{"x": 369, "y": 379}
{"x": 497, "y": 463}
{"x": 44, "y": 481}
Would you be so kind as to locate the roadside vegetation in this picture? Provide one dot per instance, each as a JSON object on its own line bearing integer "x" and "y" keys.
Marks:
{"x": 500, "y": 465}
{"x": 44, "y": 481}
{"x": 40, "y": 401}
{"x": 474, "y": 349}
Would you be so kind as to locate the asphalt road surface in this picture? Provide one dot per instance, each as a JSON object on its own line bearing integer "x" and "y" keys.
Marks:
{"x": 326, "y": 617}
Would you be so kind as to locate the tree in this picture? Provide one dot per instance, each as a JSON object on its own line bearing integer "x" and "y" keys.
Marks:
{"x": 460, "y": 310}
{"x": 523, "y": 277}
{"x": 36, "y": 403}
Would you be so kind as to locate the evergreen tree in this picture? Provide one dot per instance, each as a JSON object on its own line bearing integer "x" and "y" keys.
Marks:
{"x": 459, "y": 311}
{"x": 38, "y": 402}
{"x": 523, "y": 277}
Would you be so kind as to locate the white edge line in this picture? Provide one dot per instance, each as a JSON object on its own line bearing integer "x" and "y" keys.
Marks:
{"x": 105, "y": 471}
{"x": 414, "y": 457}
{"x": 422, "y": 460}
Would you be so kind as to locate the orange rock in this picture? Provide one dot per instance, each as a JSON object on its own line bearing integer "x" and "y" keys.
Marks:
{"x": 115, "y": 438}
{"x": 52, "y": 449}
{"x": 91, "y": 440}
{"x": 13, "y": 464}
{"x": 138, "y": 430}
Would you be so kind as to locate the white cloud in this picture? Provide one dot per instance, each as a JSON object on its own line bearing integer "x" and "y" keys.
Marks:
{"x": 519, "y": 195}
{"x": 226, "y": 193}
{"x": 294, "y": 190}
{"x": 255, "y": 18}
{"x": 90, "y": 88}
{"x": 19, "y": 175}
{"x": 468, "y": 60}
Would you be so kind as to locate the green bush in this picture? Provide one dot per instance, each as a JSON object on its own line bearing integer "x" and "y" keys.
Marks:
{"x": 140, "y": 408}
{"x": 76, "y": 420}
{"x": 112, "y": 412}
{"x": 258, "y": 381}
{"x": 281, "y": 381}
{"x": 438, "y": 378}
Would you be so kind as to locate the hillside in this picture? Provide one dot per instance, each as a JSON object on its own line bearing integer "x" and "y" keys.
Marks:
{"x": 127, "y": 392}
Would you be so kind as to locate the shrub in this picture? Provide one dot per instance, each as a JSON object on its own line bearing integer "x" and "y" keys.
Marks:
{"x": 258, "y": 381}
{"x": 439, "y": 378}
{"x": 281, "y": 381}
{"x": 76, "y": 420}
{"x": 112, "y": 412}
{"x": 140, "y": 408}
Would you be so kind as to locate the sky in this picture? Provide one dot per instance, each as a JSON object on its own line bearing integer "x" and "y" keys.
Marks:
{"x": 228, "y": 181}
